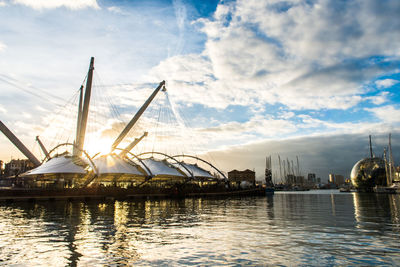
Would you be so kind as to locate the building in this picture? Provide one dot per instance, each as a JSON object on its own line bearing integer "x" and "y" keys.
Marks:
{"x": 396, "y": 177}
{"x": 336, "y": 179}
{"x": 331, "y": 178}
{"x": 300, "y": 180}
{"x": 311, "y": 178}
{"x": 339, "y": 179}
{"x": 240, "y": 176}
{"x": 290, "y": 179}
{"x": 17, "y": 166}
{"x": 1, "y": 168}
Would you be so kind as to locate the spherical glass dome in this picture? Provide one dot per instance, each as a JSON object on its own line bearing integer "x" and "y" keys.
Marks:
{"x": 368, "y": 173}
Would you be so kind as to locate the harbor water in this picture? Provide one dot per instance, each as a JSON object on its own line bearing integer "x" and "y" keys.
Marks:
{"x": 315, "y": 228}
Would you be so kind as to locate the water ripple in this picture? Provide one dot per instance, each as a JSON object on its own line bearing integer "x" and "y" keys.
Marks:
{"x": 314, "y": 229}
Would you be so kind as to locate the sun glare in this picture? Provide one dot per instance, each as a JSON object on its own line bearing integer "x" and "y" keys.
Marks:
{"x": 100, "y": 146}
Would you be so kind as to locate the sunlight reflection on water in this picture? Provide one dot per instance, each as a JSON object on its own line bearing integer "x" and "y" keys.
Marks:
{"x": 315, "y": 228}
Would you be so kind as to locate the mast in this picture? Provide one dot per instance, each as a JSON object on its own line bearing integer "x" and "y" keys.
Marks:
{"x": 284, "y": 172}
{"x": 19, "y": 144}
{"x": 288, "y": 169}
{"x": 268, "y": 171}
{"x": 132, "y": 145}
{"x": 129, "y": 126}
{"x": 280, "y": 167}
{"x": 42, "y": 147}
{"x": 78, "y": 121}
{"x": 386, "y": 167}
{"x": 370, "y": 147}
{"x": 293, "y": 168}
{"x": 391, "y": 163}
{"x": 85, "y": 110}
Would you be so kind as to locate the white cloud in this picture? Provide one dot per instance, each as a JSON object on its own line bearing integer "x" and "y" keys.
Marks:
{"x": 41, "y": 109}
{"x": 3, "y": 110}
{"x": 266, "y": 127}
{"x": 180, "y": 14}
{"x": 287, "y": 115}
{"x": 26, "y": 115}
{"x": 331, "y": 127}
{"x": 2, "y": 3}
{"x": 388, "y": 114}
{"x": 116, "y": 10}
{"x": 272, "y": 52}
{"x": 379, "y": 99}
{"x": 386, "y": 83}
{"x": 2, "y": 46}
{"x": 50, "y": 4}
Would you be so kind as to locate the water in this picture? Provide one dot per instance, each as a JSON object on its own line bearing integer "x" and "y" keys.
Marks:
{"x": 305, "y": 228}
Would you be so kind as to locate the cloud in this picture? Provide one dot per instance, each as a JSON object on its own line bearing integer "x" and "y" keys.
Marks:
{"x": 386, "y": 83}
{"x": 379, "y": 99}
{"x": 26, "y": 115}
{"x": 260, "y": 52}
{"x": 330, "y": 127}
{"x": 116, "y": 10}
{"x": 231, "y": 133}
{"x": 267, "y": 127}
{"x": 2, "y": 3}
{"x": 287, "y": 115}
{"x": 51, "y": 4}
{"x": 181, "y": 18}
{"x": 388, "y": 114}
{"x": 3, "y": 110}
{"x": 2, "y": 46}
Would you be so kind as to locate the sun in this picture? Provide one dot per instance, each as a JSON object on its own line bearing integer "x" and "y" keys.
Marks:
{"x": 101, "y": 146}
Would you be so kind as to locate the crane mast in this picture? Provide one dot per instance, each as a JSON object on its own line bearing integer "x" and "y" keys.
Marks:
{"x": 19, "y": 144}
{"x": 129, "y": 126}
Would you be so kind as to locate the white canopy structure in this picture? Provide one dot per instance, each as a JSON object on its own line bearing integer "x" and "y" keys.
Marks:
{"x": 194, "y": 169}
{"x": 160, "y": 168}
{"x": 113, "y": 164}
{"x": 61, "y": 164}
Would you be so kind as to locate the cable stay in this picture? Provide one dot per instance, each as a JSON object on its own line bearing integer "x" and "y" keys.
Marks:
{"x": 157, "y": 131}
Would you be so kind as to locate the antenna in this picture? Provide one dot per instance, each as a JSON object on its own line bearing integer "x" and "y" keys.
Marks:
{"x": 370, "y": 147}
{"x": 391, "y": 163}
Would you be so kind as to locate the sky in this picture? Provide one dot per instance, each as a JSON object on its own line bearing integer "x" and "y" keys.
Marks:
{"x": 249, "y": 79}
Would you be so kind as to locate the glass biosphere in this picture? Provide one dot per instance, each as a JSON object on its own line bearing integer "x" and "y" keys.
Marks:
{"x": 368, "y": 173}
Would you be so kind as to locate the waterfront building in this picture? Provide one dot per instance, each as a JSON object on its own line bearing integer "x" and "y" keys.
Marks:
{"x": 300, "y": 180}
{"x": 331, "y": 178}
{"x": 373, "y": 172}
{"x": 336, "y": 179}
{"x": 240, "y": 176}
{"x": 396, "y": 177}
{"x": 368, "y": 173}
{"x": 17, "y": 166}
{"x": 1, "y": 168}
{"x": 339, "y": 179}
{"x": 311, "y": 178}
{"x": 290, "y": 179}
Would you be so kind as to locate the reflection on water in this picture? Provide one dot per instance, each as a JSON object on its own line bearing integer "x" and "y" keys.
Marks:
{"x": 316, "y": 228}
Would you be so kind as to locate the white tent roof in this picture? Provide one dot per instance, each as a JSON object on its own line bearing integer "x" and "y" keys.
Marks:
{"x": 59, "y": 164}
{"x": 196, "y": 170}
{"x": 160, "y": 168}
{"x": 114, "y": 164}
